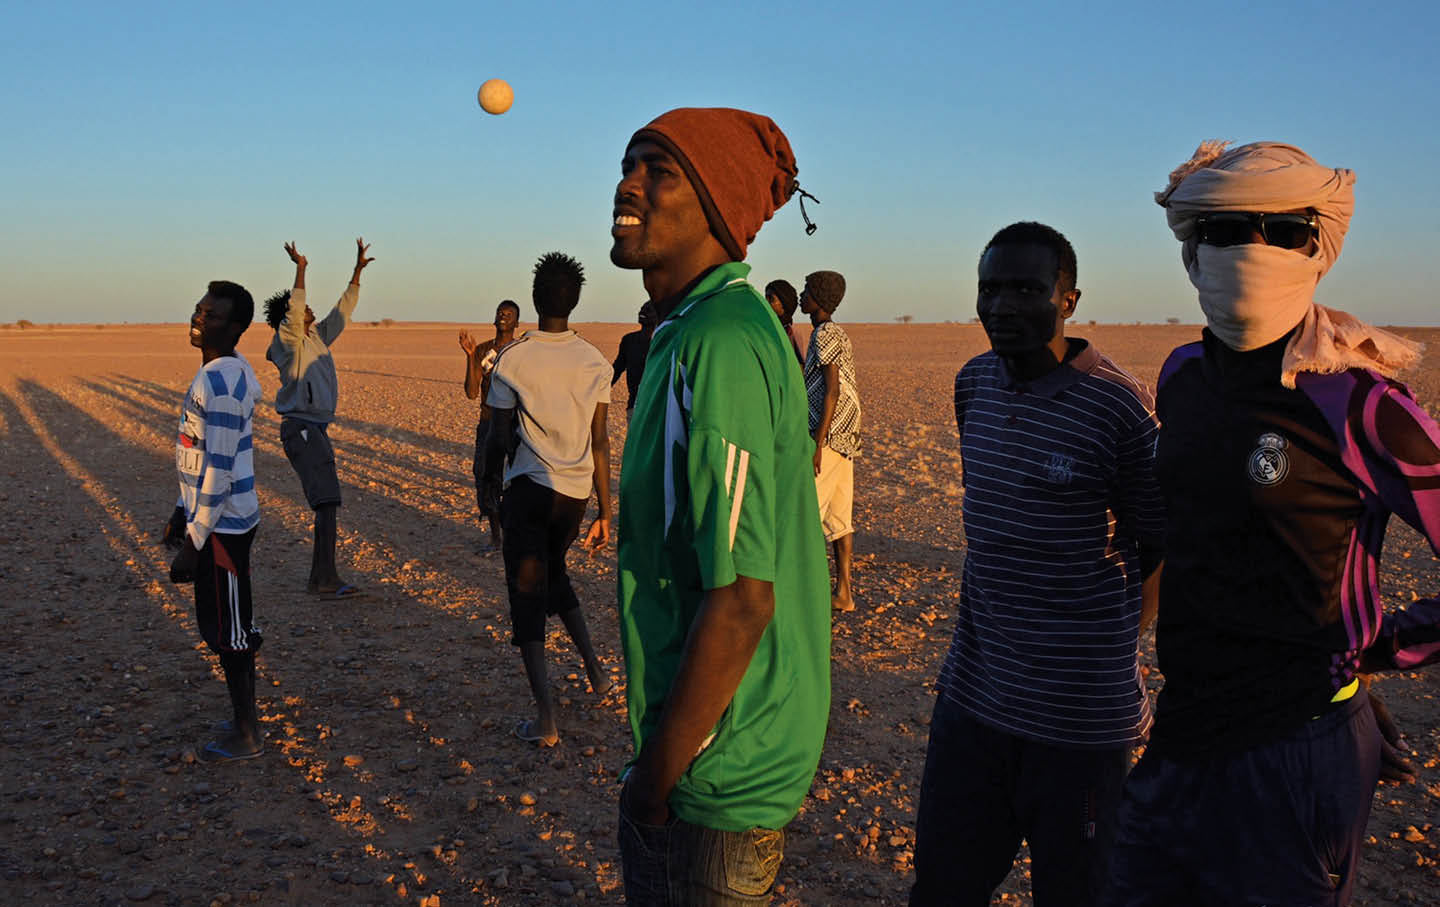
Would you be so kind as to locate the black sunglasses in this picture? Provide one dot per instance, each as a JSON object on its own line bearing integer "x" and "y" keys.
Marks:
{"x": 1233, "y": 228}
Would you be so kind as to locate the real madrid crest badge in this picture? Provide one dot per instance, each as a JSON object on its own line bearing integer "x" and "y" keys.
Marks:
{"x": 1269, "y": 463}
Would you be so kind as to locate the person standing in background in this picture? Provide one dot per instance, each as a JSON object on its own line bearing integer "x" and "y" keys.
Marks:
{"x": 479, "y": 363}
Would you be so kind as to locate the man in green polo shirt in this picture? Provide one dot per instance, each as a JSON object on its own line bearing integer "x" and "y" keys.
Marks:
{"x": 724, "y": 585}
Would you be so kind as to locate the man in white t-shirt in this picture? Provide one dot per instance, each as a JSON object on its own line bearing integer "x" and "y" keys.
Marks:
{"x": 549, "y": 395}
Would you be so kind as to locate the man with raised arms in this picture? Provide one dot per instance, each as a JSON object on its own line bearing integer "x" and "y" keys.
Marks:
{"x": 309, "y": 390}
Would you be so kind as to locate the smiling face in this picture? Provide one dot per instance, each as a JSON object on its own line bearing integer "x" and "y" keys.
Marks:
{"x": 210, "y": 324}
{"x": 657, "y": 219}
{"x": 506, "y": 318}
{"x": 1021, "y": 302}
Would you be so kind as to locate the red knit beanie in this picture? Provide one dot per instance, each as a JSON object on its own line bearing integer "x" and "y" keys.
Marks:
{"x": 740, "y": 164}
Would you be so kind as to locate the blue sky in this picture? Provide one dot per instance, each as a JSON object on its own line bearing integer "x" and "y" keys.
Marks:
{"x": 148, "y": 148}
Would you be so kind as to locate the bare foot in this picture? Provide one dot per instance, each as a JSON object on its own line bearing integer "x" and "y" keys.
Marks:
{"x": 600, "y": 683}
{"x": 842, "y": 603}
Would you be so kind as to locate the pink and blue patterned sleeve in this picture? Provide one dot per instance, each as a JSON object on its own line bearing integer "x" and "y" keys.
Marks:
{"x": 1392, "y": 445}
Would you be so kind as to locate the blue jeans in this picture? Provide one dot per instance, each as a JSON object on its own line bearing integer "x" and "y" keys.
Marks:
{"x": 683, "y": 864}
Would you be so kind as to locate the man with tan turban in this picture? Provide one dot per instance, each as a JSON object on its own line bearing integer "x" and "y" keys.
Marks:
{"x": 1285, "y": 446}
{"x": 724, "y": 589}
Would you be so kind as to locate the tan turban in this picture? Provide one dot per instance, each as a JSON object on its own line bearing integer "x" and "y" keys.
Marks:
{"x": 1254, "y": 294}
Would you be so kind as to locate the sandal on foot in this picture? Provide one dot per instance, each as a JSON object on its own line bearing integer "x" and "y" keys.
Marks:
{"x": 221, "y": 751}
{"x": 344, "y": 590}
{"x": 525, "y": 731}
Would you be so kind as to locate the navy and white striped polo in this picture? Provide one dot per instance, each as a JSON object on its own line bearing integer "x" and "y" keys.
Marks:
{"x": 1060, "y": 495}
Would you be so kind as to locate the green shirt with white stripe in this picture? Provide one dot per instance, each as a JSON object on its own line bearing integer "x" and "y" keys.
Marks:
{"x": 717, "y": 482}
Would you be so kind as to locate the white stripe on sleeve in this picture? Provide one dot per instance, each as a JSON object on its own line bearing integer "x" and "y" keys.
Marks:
{"x": 739, "y": 496}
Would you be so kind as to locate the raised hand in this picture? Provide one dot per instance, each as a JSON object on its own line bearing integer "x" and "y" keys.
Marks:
{"x": 467, "y": 343}
{"x": 360, "y": 260}
{"x": 295, "y": 255}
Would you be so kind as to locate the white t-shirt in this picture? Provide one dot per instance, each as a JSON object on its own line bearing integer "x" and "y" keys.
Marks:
{"x": 553, "y": 382}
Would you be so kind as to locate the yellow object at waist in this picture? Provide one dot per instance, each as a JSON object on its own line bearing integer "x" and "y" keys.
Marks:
{"x": 1346, "y": 691}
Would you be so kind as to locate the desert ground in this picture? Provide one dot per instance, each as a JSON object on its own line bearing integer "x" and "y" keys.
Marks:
{"x": 391, "y": 775}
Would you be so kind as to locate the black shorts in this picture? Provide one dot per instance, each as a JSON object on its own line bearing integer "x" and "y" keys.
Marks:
{"x": 540, "y": 525}
{"x": 307, "y": 446}
{"x": 222, "y": 593}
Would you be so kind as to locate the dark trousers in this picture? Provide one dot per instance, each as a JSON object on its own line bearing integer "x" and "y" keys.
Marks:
{"x": 689, "y": 865}
{"x": 489, "y": 505}
{"x": 1279, "y": 824}
{"x": 985, "y": 790}
{"x": 539, "y": 526}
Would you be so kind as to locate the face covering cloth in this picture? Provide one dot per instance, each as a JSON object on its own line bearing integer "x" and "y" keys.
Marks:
{"x": 1253, "y": 294}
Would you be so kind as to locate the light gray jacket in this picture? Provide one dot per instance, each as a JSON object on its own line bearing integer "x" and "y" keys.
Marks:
{"x": 309, "y": 387}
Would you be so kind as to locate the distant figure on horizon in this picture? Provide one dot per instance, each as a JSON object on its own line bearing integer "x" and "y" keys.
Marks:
{"x": 548, "y": 401}
{"x": 215, "y": 519}
{"x": 630, "y": 359}
{"x": 783, "y": 299}
{"x": 1040, "y": 699}
{"x": 723, "y": 584}
{"x": 1286, "y": 444}
{"x": 479, "y": 363}
{"x": 834, "y": 400}
{"x": 306, "y": 402}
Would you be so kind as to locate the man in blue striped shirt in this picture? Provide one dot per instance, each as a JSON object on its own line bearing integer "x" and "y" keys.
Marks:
{"x": 1040, "y": 697}
{"x": 214, "y": 522}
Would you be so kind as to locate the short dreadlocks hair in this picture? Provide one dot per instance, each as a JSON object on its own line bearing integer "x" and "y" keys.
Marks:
{"x": 556, "y": 290}
{"x": 276, "y": 308}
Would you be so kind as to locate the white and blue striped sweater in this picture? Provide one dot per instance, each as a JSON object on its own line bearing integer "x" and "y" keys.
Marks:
{"x": 214, "y": 453}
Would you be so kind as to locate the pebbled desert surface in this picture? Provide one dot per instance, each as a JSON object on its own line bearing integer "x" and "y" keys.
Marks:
{"x": 391, "y": 775}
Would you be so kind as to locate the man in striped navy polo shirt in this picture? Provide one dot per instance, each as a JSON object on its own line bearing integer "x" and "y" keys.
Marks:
{"x": 1040, "y": 698}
